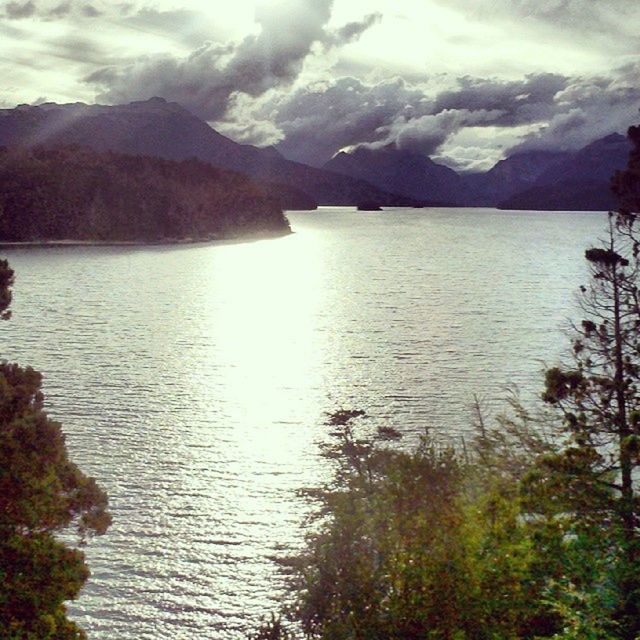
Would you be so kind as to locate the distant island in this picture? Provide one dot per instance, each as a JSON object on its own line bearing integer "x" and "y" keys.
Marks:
{"x": 369, "y": 206}
{"x": 74, "y": 194}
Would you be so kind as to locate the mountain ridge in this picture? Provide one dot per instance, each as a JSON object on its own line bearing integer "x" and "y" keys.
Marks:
{"x": 562, "y": 180}
{"x": 164, "y": 129}
{"x": 582, "y": 181}
{"x": 387, "y": 176}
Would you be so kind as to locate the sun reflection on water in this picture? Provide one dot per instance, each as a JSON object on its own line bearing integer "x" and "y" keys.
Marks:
{"x": 193, "y": 382}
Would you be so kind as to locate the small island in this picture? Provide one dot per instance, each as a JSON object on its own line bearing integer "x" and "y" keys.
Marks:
{"x": 369, "y": 206}
{"x": 74, "y": 195}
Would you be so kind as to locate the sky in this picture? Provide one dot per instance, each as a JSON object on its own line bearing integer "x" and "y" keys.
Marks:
{"x": 464, "y": 82}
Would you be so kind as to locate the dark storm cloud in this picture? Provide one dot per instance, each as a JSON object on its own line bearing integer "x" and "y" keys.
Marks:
{"x": 589, "y": 108}
{"x": 207, "y": 80}
{"x": 520, "y": 102}
{"x": 564, "y": 113}
{"x": 319, "y": 120}
{"x": 19, "y": 10}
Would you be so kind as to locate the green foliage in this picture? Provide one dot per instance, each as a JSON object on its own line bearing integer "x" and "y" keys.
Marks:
{"x": 439, "y": 544}
{"x": 6, "y": 282}
{"x": 42, "y": 493}
{"x": 420, "y": 544}
{"x": 71, "y": 193}
{"x": 593, "y": 477}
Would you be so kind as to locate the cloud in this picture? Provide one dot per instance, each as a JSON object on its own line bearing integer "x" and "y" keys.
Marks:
{"x": 61, "y": 10}
{"x": 51, "y": 10}
{"x": 90, "y": 11}
{"x": 323, "y": 117}
{"x": 289, "y": 83}
{"x": 519, "y": 101}
{"x": 540, "y": 111}
{"x": 187, "y": 26}
{"x": 319, "y": 120}
{"x": 608, "y": 24}
{"x": 589, "y": 108}
{"x": 353, "y": 30}
{"x": 19, "y": 10}
{"x": 77, "y": 48}
{"x": 427, "y": 133}
{"x": 207, "y": 80}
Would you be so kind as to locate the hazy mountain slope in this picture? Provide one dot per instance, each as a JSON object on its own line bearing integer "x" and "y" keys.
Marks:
{"x": 155, "y": 127}
{"x": 597, "y": 161}
{"x": 509, "y": 176}
{"x": 580, "y": 182}
{"x": 404, "y": 172}
{"x": 565, "y": 196}
{"x": 158, "y": 128}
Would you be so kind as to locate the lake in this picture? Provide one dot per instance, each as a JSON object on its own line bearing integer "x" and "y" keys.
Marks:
{"x": 194, "y": 381}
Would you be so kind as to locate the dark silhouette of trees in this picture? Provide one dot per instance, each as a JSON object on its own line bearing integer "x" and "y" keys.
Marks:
{"x": 42, "y": 493}
{"x": 72, "y": 193}
{"x": 596, "y": 475}
{"x": 6, "y": 282}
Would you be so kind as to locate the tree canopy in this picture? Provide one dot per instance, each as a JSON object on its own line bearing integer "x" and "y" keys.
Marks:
{"x": 72, "y": 193}
{"x": 42, "y": 493}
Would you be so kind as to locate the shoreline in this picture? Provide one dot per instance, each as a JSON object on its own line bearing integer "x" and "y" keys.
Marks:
{"x": 169, "y": 242}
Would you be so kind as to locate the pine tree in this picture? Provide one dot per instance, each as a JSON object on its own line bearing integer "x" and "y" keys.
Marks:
{"x": 42, "y": 493}
{"x": 595, "y": 476}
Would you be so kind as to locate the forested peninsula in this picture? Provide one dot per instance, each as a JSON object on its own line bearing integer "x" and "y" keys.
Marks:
{"x": 76, "y": 194}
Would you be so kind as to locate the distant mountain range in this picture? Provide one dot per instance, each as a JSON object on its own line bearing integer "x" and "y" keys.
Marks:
{"x": 410, "y": 174}
{"x": 165, "y": 129}
{"x": 580, "y": 181}
{"x": 536, "y": 180}
{"x": 387, "y": 176}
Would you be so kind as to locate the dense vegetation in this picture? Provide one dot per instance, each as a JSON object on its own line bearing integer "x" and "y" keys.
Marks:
{"x": 72, "y": 193}
{"x": 530, "y": 531}
{"x": 42, "y": 493}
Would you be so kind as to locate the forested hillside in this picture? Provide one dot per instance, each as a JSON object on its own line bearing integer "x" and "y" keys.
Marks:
{"x": 72, "y": 193}
{"x": 164, "y": 129}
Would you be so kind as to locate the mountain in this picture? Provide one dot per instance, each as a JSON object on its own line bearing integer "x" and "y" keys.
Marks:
{"x": 582, "y": 181}
{"x": 387, "y": 176}
{"x": 404, "y": 172}
{"x": 74, "y": 193}
{"x": 581, "y": 195}
{"x": 509, "y": 176}
{"x": 165, "y": 129}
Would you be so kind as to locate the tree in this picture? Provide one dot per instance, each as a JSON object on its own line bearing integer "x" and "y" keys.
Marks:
{"x": 427, "y": 543}
{"x": 42, "y": 493}
{"x": 6, "y": 282}
{"x": 595, "y": 476}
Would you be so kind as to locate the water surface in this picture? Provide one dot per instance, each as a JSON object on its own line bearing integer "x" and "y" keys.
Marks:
{"x": 193, "y": 381}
